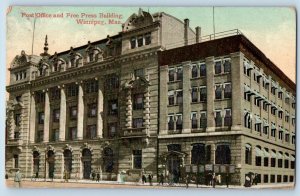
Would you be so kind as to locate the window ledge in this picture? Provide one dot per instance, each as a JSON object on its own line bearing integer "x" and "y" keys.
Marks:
{"x": 222, "y": 74}
{"x": 198, "y": 77}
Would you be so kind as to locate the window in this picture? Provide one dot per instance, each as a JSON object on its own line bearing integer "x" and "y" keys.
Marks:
{"x": 273, "y": 158}
{"x": 72, "y": 61}
{"x": 227, "y": 118}
{"x": 227, "y": 66}
{"x": 179, "y": 98}
{"x": 218, "y": 68}
{"x": 55, "y": 94}
{"x": 72, "y": 133}
{"x": 203, "y": 93}
{"x": 273, "y": 130}
{"x": 227, "y": 91}
{"x": 178, "y": 121}
{"x": 16, "y": 134}
{"x": 293, "y": 139}
{"x": 171, "y": 98}
{"x": 174, "y": 147}
{"x": 247, "y": 119}
{"x": 171, "y": 74}
{"x": 194, "y": 120}
{"x": 280, "y": 135}
{"x": 140, "y": 41}
{"x": 291, "y": 178}
{"x": 258, "y": 155}
{"x": 287, "y": 100}
{"x": 41, "y": 117}
{"x": 179, "y": 73}
{"x": 133, "y": 42}
{"x": 287, "y": 118}
{"x": 287, "y": 137}
{"x": 68, "y": 161}
{"x": 266, "y": 157}
{"x": 272, "y": 180}
{"x": 171, "y": 123}
{"x": 286, "y": 160}
{"x": 56, "y": 115}
{"x": 17, "y": 119}
{"x": 273, "y": 90}
{"x": 40, "y": 97}
{"x": 92, "y": 110}
{"x": 73, "y": 112}
{"x": 292, "y": 161}
{"x": 194, "y": 95}
{"x": 248, "y": 156}
{"x": 112, "y": 82}
{"x": 138, "y": 101}
{"x": 278, "y": 178}
{"x": 266, "y": 178}
{"x": 218, "y": 119}
{"x": 16, "y": 161}
{"x": 266, "y": 130}
{"x": 55, "y": 135}
{"x": 293, "y": 121}
{"x": 258, "y": 127}
{"x": 137, "y": 123}
{"x": 108, "y": 160}
{"x": 139, "y": 73}
{"x": 112, "y": 129}
{"x": 280, "y": 95}
{"x": 91, "y": 86}
{"x": 279, "y": 160}
{"x": 113, "y": 107}
{"x": 198, "y": 154}
{"x": 223, "y": 154}
{"x": 147, "y": 38}
{"x": 91, "y": 56}
{"x": 203, "y": 120}
{"x": 91, "y": 131}
{"x": 194, "y": 71}
{"x": 40, "y": 136}
{"x": 202, "y": 70}
{"x": 218, "y": 91}
{"x": 285, "y": 178}
{"x": 73, "y": 90}
{"x": 280, "y": 114}
{"x": 265, "y": 107}
{"x": 137, "y": 159}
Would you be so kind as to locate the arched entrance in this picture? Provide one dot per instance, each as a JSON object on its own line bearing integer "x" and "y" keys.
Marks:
{"x": 223, "y": 154}
{"x": 87, "y": 163}
{"x": 51, "y": 163}
{"x": 68, "y": 162}
{"x": 36, "y": 163}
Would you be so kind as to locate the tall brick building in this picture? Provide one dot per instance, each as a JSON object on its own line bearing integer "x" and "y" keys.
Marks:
{"x": 153, "y": 98}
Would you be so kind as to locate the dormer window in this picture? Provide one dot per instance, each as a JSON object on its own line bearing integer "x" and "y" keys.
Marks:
{"x": 91, "y": 56}
{"x": 140, "y": 41}
{"x": 147, "y": 38}
{"x": 72, "y": 61}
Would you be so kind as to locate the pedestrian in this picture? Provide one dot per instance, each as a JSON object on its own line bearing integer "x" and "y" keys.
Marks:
{"x": 36, "y": 175}
{"x": 98, "y": 177}
{"x": 18, "y": 179}
{"x": 161, "y": 179}
{"x": 150, "y": 179}
{"x": 187, "y": 180}
{"x": 214, "y": 180}
{"x": 227, "y": 180}
{"x": 144, "y": 180}
{"x": 255, "y": 180}
{"x": 66, "y": 176}
{"x": 93, "y": 175}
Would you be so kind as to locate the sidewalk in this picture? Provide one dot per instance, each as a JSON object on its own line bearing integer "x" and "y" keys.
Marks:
{"x": 81, "y": 181}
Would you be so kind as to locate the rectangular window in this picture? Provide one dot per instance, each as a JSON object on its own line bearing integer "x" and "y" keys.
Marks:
{"x": 171, "y": 98}
{"x": 55, "y": 135}
{"x": 179, "y": 97}
{"x": 16, "y": 161}
{"x": 218, "y": 119}
{"x": 218, "y": 68}
{"x": 179, "y": 73}
{"x": 278, "y": 178}
{"x": 227, "y": 91}
{"x": 194, "y": 95}
{"x": 147, "y": 38}
{"x": 273, "y": 162}
{"x": 113, "y": 107}
{"x": 112, "y": 82}
{"x": 227, "y": 117}
{"x": 218, "y": 91}
{"x": 287, "y": 137}
{"x": 280, "y": 95}
{"x": 133, "y": 42}
{"x": 194, "y": 120}
{"x": 138, "y": 101}
{"x": 266, "y": 161}
{"x": 137, "y": 123}
{"x": 92, "y": 110}
{"x": 266, "y": 178}
{"x": 73, "y": 112}
{"x": 203, "y": 95}
{"x": 112, "y": 128}
{"x": 280, "y": 114}
{"x": 178, "y": 121}
{"x": 280, "y": 135}
{"x": 203, "y": 119}
{"x": 202, "y": 70}
{"x": 171, "y": 122}
{"x": 195, "y": 71}
{"x": 40, "y": 97}
{"x": 91, "y": 131}
{"x": 72, "y": 133}
{"x": 40, "y": 136}
{"x": 140, "y": 41}
{"x": 139, "y": 73}
{"x": 272, "y": 180}
{"x": 171, "y": 74}
{"x": 137, "y": 159}
{"x": 266, "y": 130}
{"x": 227, "y": 66}
{"x": 91, "y": 86}
{"x": 55, "y": 94}
{"x": 17, "y": 119}
{"x": 280, "y": 163}
{"x": 73, "y": 90}
{"x": 56, "y": 115}
{"x": 286, "y": 163}
{"x": 41, "y": 117}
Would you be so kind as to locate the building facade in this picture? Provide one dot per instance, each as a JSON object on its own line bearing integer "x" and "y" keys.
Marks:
{"x": 153, "y": 98}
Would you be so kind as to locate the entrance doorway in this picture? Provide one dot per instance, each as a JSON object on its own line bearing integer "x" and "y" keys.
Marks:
{"x": 174, "y": 168}
{"x": 87, "y": 163}
{"x": 51, "y": 164}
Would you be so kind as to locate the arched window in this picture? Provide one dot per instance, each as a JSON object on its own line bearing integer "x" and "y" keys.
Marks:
{"x": 273, "y": 158}
{"x": 258, "y": 155}
{"x": 36, "y": 163}
{"x": 223, "y": 154}
{"x": 198, "y": 154}
{"x": 248, "y": 151}
{"x": 286, "y": 160}
{"x": 266, "y": 157}
{"x": 68, "y": 160}
{"x": 108, "y": 159}
{"x": 247, "y": 119}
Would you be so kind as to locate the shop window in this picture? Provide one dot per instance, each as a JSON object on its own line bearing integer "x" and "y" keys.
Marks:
{"x": 137, "y": 159}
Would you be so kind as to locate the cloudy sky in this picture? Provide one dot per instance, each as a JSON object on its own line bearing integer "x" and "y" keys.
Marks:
{"x": 273, "y": 30}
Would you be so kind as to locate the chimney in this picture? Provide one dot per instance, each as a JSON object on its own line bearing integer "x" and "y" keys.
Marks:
{"x": 198, "y": 34}
{"x": 186, "y": 30}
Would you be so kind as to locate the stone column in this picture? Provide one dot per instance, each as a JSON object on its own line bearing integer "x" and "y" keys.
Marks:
{"x": 210, "y": 86}
{"x": 100, "y": 109}
{"x": 163, "y": 100}
{"x": 12, "y": 125}
{"x": 186, "y": 87}
{"x": 80, "y": 112}
{"x": 63, "y": 114}
{"x": 32, "y": 119}
{"x": 213, "y": 154}
{"x": 236, "y": 87}
{"x": 146, "y": 116}
{"x": 128, "y": 110}
{"x": 46, "y": 116}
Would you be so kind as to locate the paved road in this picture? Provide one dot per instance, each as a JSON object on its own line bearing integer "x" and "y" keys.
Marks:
{"x": 108, "y": 185}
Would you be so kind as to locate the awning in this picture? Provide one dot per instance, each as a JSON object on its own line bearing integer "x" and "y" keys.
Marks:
{"x": 170, "y": 93}
{"x": 266, "y": 124}
{"x": 273, "y": 154}
{"x": 292, "y": 157}
{"x": 266, "y": 153}
{"x": 247, "y": 89}
{"x": 258, "y": 152}
{"x": 281, "y": 129}
{"x": 287, "y": 95}
{"x": 286, "y": 156}
{"x": 267, "y": 81}
{"x": 273, "y": 126}
{"x": 248, "y": 146}
{"x": 279, "y": 155}
{"x": 248, "y": 65}
{"x": 258, "y": 74}
{"x": 274, "y": 85}
{"x": 257, "y": 120}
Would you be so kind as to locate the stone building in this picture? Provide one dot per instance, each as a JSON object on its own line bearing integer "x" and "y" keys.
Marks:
{"x": 153, "y": 98}
{"x": 224, "y": 102}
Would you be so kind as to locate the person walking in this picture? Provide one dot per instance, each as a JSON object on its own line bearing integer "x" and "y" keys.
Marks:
{"x": 98, "y": 177}
{"x": 214, "y": 180}
{"x": 144, "y": 180}
{"x": 93, "y": 175}
{"x": 150, "y": 179}
{"x": 18, "y": 179}
{"x": 227, "y": 180}
{"x": 187, "y": 180}
{"x": 161, "y": 179}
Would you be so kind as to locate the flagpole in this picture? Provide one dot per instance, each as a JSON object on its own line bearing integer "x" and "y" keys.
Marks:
{"x": 33, "y": 35}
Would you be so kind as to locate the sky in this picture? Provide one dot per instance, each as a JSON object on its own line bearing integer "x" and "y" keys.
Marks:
{"x": 271, "y": 29}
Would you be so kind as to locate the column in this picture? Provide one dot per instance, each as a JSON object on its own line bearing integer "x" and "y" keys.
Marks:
{"x": 213, "y": 154}
{"x": 80, "y": 112}
{"x": 163, "y": 100}
{"x": 62, "y": 114}
{"x": 236, "y": 88}
{"x": 32, "y": 118}
{"x": 186, "y": 87}
{"x": 128, "y": 109}
{"x": 100, "y": 109}
{"x": 210, "y": 86}
{"x": 46, "y": 116}
{"x": 146, "y": 112}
